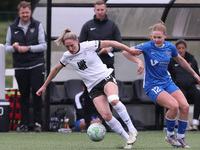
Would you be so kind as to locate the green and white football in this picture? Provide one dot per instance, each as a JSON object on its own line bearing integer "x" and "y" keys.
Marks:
{"x": 96, "y": 132}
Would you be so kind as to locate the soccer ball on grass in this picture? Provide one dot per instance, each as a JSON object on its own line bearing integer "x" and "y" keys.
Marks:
{"x": 96, "y": 132}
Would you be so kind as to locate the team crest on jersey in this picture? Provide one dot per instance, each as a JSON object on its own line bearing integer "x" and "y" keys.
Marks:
{"x": 168, "y": 53}
{"x": 32, "y": 30}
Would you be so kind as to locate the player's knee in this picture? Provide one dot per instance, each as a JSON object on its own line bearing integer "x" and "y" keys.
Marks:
{"x": 113, "y": 98}
{"x": 185, "y": 108}
{"x": 175, "y": 108}
{"x": 107, "y": 117}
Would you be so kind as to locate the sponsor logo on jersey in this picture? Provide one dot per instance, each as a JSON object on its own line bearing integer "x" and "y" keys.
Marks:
{"x": 154, "y": 62}
{"x": 82, "y": 65}
{"x": 163, "y": 63}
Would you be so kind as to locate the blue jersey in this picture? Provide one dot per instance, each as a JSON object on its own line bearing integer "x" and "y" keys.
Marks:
{"x": 156, "y": 63}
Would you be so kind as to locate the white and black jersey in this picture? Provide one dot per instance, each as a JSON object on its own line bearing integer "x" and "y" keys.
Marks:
{"x": 87, "y": 63}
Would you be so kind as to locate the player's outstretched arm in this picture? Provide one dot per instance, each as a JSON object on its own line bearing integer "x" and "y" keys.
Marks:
{"x": 128, "y": 51}
{"x": 52, "y": 74}
{"x": 133, "y": 58}
{"x": 107, "y": 43}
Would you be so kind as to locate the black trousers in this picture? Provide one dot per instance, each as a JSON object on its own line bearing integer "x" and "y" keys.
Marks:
{"x": 193, "y": 97}
{"x": 30, "y": 81}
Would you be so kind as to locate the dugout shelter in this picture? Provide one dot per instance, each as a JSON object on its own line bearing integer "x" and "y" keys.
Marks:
{"x": 133, "y": 18}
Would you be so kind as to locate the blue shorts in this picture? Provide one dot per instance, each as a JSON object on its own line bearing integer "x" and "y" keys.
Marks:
{"x": 156, "y": 90}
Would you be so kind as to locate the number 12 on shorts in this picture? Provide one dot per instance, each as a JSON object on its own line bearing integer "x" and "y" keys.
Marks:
{"x": 156, "y": 89}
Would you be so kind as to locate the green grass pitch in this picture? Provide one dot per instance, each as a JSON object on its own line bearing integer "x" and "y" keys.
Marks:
{"x": 147, "y": 140}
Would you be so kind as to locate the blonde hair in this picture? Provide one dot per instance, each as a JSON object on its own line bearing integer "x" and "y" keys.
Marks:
{"x": 66, "y": 34}
{"x": 160, "y": 26}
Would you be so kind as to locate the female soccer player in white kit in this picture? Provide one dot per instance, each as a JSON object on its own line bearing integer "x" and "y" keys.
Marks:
{"x": 101, "y": 85}
{"x": 159, "y": 85}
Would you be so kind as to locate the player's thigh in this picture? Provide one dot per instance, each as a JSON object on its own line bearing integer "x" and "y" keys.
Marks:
{"x": 180, "y": 98}
{"x": 102, "y": 106}
{"x": 166, "y": 100}
{"x": 111, "y": 88}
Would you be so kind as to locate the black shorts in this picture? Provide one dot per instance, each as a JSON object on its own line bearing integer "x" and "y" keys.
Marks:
{"x": 99, "y": 88}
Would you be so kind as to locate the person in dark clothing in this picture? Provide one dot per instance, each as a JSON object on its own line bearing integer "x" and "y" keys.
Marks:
{"x": 26, "y": 41}
{"x": 101, "y": 28}
{"x": 85, "y": 111}
{"x": 186, "y": 82}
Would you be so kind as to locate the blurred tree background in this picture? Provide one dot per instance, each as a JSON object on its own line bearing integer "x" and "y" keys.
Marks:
{"x": 8, "y": 13}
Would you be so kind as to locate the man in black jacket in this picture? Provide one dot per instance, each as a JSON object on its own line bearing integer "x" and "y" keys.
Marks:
{"x": 26, "y": 41}
{"x": 101, "y": 28}
{"x": 185, "y": 81}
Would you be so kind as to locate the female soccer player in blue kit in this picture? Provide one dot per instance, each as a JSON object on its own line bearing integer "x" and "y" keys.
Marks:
{"x": 159, "y": 85}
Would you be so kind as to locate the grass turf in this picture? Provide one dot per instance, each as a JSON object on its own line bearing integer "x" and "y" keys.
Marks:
{"x": 147, "y": 140}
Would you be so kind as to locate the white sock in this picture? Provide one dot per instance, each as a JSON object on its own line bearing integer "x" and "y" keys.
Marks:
{"x": 180, "y": 136}
{"x": 122, "y": 111}
{"x": 195, "y": 121}
{"x": 170, "y": 133}
{"x": 115, "y": 125}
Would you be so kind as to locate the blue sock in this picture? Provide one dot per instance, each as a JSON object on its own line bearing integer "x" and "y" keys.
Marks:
{"x": 182, "y": 125}
{"x": 170, "y": 124}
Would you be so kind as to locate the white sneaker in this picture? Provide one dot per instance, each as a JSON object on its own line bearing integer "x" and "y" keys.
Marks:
{"x": 189, "y": 127}
{"x": 131, "y": 140}
{"x": 183, "y": 143}
{"x": 173, "y": 141}
{"x": 195, "y": 127}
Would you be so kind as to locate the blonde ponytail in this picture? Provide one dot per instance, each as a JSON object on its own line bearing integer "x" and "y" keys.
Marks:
{"x": 66, "y": 34}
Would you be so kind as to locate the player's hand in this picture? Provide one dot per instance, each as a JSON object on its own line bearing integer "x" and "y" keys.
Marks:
{"x": 140, "y": 68}
{"x": 135, "y": 52}
{"x": 41, "y": 91}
